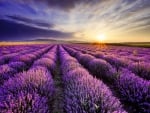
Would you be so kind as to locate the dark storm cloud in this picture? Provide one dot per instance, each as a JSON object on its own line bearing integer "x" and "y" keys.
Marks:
{"x": 9, "y": 29}
{"x": 62, "y": 4}
{"x": 69, "y": 4}
{"x": 30, "y": 21}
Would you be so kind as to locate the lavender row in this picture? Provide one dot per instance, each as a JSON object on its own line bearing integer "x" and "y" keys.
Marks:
{"x": 83, "y": 93}
{"x": 4, "y": 59}
{"x": 7, "y": 58}
{"x": 131, "y": 89}
{"x": 19, "y": 64}
{"x": 140, "y": 68}
{"x": 48, "y": 60}
{"x": 123, "y": 51}
{"x": 126, "y": 54}
{"x": 30, "y": 91}
{"x": 30, "y": 56}
{"x": 4, "y": 50}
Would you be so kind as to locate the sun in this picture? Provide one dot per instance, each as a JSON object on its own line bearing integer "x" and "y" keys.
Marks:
{"x": 101, "y": 37}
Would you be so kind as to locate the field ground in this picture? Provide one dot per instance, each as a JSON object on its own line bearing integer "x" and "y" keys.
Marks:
{"x": 132, "y": 44}
{"x": 144, "y": 44}
{"x": 74, "y": 78}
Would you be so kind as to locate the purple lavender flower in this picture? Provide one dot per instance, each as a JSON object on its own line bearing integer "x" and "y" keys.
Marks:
{"x": 142, "y": 69}
{"x": 24, "y": 103}
{"x": 83, "y": 93}
{"x": 6, "y": 72}
{"x": 134, "y": 91}
{"x": 50, "y": 64}
{"x": 37, "y": 79}
{"x": 18, "y": 65}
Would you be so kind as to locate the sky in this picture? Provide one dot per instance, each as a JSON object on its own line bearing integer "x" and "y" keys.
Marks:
{"x": 81, "y": 20}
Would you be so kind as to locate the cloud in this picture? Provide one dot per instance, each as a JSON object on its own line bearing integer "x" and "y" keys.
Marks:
{"x": 88, "y": 17}
{"x": 9, "y": 6}
{"x": 61, "y": 4}
{"x": 31, "y": 21}
{"x": 16, "y": 31}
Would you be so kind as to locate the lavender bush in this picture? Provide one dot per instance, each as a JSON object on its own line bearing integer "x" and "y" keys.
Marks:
{"x": 134, "y": 91}
{"x": 18, "y": 65}
{"x": 24, "y": 103}
{"x": 141, "y": 69}
{"x": 37, "y": 80}
{"x": 6, "y": 72}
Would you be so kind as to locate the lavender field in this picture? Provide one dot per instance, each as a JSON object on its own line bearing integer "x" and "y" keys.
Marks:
{"x": 74, "y": 78}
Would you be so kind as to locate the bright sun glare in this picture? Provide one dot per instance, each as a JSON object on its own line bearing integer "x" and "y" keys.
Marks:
{"x": 101, "y": 37}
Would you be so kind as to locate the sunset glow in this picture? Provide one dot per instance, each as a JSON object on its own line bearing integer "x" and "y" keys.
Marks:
{"x": 101, "y": 38}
